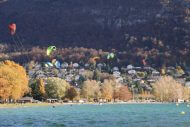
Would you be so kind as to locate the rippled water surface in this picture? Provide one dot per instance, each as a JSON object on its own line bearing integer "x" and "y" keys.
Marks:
{"x": 118, "y": 115}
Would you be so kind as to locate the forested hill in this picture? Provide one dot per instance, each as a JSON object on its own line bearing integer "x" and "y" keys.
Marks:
{"x": 143, "y": 27}
{"x": 89, "y": 23}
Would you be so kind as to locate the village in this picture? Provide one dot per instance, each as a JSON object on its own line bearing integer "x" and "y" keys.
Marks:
{"x": 138, "y": 79}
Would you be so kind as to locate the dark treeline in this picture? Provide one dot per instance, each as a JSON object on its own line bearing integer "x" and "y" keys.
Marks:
{"x": 155, "y": 31}
{"x": 84, "y": 55}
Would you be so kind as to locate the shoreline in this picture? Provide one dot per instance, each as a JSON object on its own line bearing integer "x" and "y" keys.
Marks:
{"x": 19, "y": 105}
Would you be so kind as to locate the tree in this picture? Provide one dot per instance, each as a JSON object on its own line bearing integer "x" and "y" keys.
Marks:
{"x": 186, "y": 93}
{"x": 116, "y": 94}
{"x": 124, "y": 93}
{"x": 72, "y": 93}
{"x": 145, "y": 95}
{"x": 167, "y": 89}
{"x": 38, "y": 89}
{"x": 41, "y": 87}
{"x": 56, "y": 87}
{"x": 87, "y": 74}
{"x": 107, "y": 90}
{"x": 96, "y": 75}
{"x": 90, "y": 90}
{"x": 13, "y": 81}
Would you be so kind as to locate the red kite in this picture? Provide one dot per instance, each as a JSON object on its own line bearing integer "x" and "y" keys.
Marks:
{"x": 12, "y": 28}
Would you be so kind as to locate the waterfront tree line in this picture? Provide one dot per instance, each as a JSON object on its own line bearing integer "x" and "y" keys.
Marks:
{"x": 14, "y": 84}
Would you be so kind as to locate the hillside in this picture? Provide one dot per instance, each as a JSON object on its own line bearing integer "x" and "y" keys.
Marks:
{"x": 147, "y": 28}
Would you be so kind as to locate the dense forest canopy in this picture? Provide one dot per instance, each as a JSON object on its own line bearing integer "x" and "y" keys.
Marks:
{"x": 155, "y": 30}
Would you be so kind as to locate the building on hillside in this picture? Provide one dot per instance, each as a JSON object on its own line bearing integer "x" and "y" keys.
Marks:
{"x": 64, "y": 65}
{"x": 75, "y": 65}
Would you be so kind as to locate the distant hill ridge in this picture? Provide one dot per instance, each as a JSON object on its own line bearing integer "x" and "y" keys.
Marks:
{"x": 89, "y": 23}
{"x": 154, "y": 27}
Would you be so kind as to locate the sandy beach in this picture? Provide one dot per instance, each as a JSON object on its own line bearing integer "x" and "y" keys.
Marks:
{"x": 19, "y": 105}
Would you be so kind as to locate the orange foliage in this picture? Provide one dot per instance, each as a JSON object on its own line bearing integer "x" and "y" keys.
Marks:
{"x": 13, "y": 80}
{"x": 124, "y": 93}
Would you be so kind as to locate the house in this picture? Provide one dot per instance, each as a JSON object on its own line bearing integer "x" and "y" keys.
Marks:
{"x": 116, "y": 73}
{"x": 100, "y": 65}
{"x": 171, "y": 68}
{"x": 68, "y": 78}
{"x": 38, "y": 67}
{"x": 75, "y": 65}
{"x": 26, "y": 100}
{"x": 155, "y": 73}
{"x": 39, "y": 72}
{"x": 132, "y": 72}
{"x": 148, "y": 68}
{"x": 180, "y": 101}
{"x": 77, "y": 77}
{"x": 40, "y": 76}
{"x": 50, "y": 100}
{"x": 64, "y": 65}
{"x": 129, "y": 67}
{"x": 136, "y": 79}
{"x": 31, "y": 73}
{"x": 137, "y": 68}
{"x": 151, "y": 80}
{"x": 81, "y": 71}
{"x": 87, "y": 65}
{"x": 115, "y": 69}
{"x": 82, "y": 101}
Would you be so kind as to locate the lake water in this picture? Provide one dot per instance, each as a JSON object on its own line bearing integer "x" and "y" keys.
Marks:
{"x": 118, "y": 115}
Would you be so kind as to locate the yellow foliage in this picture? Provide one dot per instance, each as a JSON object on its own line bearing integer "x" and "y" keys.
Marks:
{"x": 186, "y": 93}
{"x": 41, "y": 87}
{"x": 90, "y": 89}
{"x": 13, "y": 80}
{"x": 168, "y": 89}
{"x": 88, "y": 74}
{"x": 180, "y": 70}
{"x": 108, "y": 89}
{"x": 146, "y": 95}
{"x": 163, "y": 71}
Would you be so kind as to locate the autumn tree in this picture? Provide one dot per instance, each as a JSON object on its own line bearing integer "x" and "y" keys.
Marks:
{"x": 167, "y": 89}
{"x": 88, "y": 74}
{"x": 145, "y": 95}
{"x": 124, "y": 93}
{"x": 186, "y": 93}
{"x": 116, "y": 94}
{"x": 56, "y": 87}
{"x": 38, "y": 89}
{"x": 72, "y": 93}
{"x": 13, "y": 81}
{"x": 96, "y": 75}
{"x": 108, "y": 89}
{"x": 90, "y": 90}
